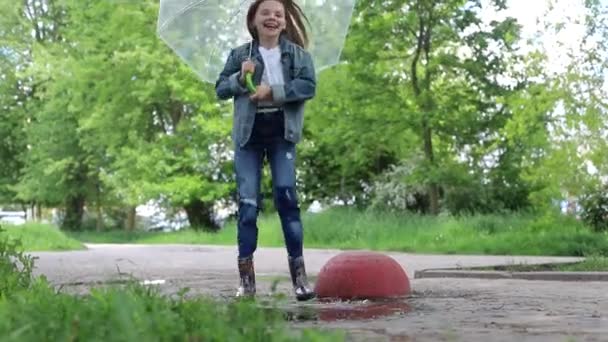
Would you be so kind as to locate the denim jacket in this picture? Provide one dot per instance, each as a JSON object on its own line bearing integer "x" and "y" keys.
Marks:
{"x": 300, "y": 85}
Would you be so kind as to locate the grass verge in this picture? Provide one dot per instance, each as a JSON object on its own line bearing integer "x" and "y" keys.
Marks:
{"x": 515, "y": 234}
{"x": 42, "y": 237}
{"x": 590, "y": 264}
{"x": 32, "y": 310}
{"x": 136, "y": 313}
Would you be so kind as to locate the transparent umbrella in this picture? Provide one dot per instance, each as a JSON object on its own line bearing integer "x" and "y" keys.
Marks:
{"x": 202, "y": 32}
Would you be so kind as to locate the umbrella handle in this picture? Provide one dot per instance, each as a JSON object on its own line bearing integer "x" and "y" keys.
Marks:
{"x": 249, "y": 82}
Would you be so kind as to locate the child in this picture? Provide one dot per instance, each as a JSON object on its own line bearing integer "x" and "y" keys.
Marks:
{"x": 268, "y": 123}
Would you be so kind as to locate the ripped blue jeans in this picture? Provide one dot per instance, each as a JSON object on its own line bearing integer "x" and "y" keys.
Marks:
{"x": 267, "y": 141}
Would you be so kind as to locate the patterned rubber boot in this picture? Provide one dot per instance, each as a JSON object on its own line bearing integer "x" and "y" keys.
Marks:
{"x": 247, "y": 275}
{"x": 298, "y": 277}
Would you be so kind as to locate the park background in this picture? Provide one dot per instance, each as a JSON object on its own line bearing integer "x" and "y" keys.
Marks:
{"x": 452, "y": 126}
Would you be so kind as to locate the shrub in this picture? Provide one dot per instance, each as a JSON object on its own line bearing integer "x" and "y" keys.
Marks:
{"x": 595, "y": 208}
{"x": 15, "y": 266}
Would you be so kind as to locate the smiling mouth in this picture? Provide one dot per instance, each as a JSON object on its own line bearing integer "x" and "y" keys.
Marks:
{"x": 271, "y": 26}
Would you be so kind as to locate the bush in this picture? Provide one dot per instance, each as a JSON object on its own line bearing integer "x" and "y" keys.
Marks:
{"x": 32, "y": 310}
{"x": 15, "y": 266}
{"x": 595, "y": 208}
{"x": 136, "y": 313}
{"x": 393, "y": 191}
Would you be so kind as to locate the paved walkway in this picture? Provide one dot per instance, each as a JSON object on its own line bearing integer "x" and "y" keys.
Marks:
{"x": 441, "y": 309}
{"x": 102, "y": 262}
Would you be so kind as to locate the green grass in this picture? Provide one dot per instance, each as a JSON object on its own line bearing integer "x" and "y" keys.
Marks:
{"x": 136, "y": 313}
{"x": 590, "y": 264}
{"x": 226, "y": 237}
{"x": 42, "y": 237}
{"x": 32, "y": 310}
{"x": 350, "y": 229}
{"x": 482, "y": 234}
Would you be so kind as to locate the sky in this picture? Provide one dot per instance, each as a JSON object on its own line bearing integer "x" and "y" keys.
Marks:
{"x": 528, "y": 12}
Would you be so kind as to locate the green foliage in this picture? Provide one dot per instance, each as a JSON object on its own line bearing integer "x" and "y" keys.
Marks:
{"x": 128, "y": 124}
{"x": 592, "y": 263}
{"x": 12, "y": 133}
{"x": 429, "y": 87}
{"x": 137, "y": 313}
{"x": 41, "y": 237}
{"x": 98, "y": 113}
{"x": 346, "y": 146}
{"x": 574, "y": 159}
{"x": 346, "y": 228}
{"x": 595, "y": 208}
{"x": 512, "y": 234}
{"x": 32, "y": 310}
{"x": 15, "y": 266}
{"x": 398, "y": 190}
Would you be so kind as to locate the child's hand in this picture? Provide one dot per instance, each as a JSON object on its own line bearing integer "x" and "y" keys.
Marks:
{"x": 247, "y": 66}
{"x": 263, "y": 93}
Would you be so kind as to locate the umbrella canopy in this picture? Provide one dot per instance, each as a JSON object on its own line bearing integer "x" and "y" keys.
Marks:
{"x": 202, "y": 32}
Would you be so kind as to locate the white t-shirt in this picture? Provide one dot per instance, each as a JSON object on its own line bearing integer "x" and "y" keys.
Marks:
{"x": 273, "y": 70}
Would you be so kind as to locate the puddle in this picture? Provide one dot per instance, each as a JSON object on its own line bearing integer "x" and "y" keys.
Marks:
{"x": 347, "y": 311}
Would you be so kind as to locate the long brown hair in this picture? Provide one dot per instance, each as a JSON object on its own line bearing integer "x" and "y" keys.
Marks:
{"x": 294, "y": 17}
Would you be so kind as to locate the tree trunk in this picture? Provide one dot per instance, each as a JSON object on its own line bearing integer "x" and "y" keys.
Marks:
{"x": 38, "y": 212}
{"x": 433, "y": 188}
{"x": 343, "y": 196}
{"x": 74, "y": 211}
{"x": 199, "y": 216}
{"x": 422, "y": 91}
{"x": 99, "y": 222}
{"x": 130, "y": 222}
{"x": 25, "y": 208}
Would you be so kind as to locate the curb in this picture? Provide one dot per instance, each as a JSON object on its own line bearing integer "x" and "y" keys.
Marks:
{"x": 546, "y": 276}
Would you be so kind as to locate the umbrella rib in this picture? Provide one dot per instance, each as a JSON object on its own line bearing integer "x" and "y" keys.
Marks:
{"x": 180, "y": 12}
{"x": 192, "y": 5}
{"x": 210, "y": 28}
{"x": 238, "y": 10}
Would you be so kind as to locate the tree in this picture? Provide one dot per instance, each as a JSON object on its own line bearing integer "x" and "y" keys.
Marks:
{"x": 424, "y": 78}
{"x": 574, "y": 161}
{"x": 12, "y": 143}
{"x": 114, "y": 118}
{"x": 153, "y": 131}
{"x": 21, "y": 28}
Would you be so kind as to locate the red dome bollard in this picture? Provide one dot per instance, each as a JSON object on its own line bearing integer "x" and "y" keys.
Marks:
{"x": 362, "y": 275}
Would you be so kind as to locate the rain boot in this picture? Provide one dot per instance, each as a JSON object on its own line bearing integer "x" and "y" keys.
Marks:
{"x": 247, "y": 275}
{"x": 298, "y": 277}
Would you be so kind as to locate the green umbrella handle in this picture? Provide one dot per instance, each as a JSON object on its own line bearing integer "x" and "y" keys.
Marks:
{"x": 249, "y": 82}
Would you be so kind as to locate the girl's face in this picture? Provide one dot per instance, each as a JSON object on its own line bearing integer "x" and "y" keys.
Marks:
{"x": 269, "y": 20}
